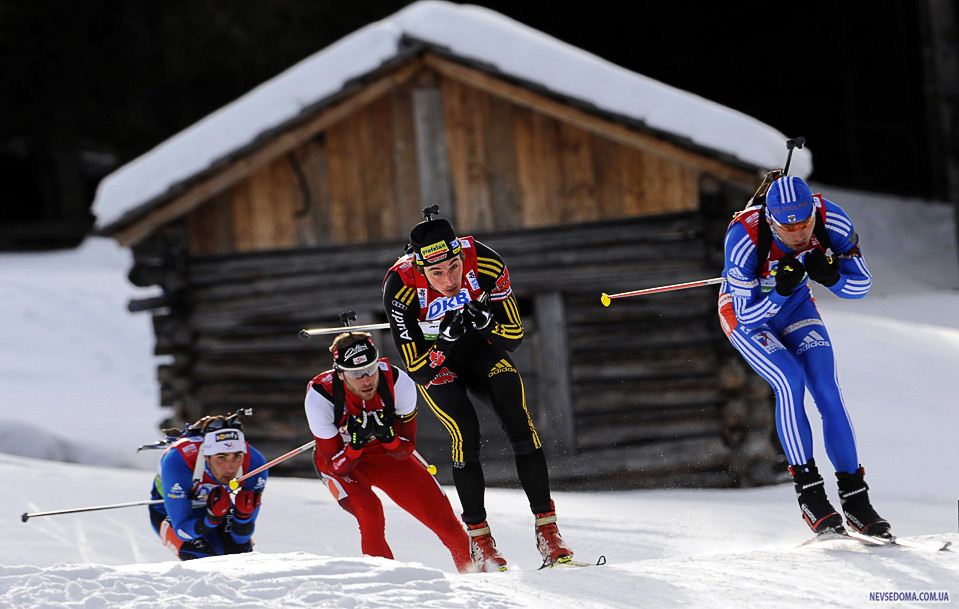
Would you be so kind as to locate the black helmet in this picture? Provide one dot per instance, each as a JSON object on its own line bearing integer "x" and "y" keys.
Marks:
{"x": 433, "y": 241}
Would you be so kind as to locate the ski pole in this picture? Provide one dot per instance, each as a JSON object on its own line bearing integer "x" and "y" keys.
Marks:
{"x": 606, "y": 299}
{"x": 429, "y": 466}
{"x": 235, "y": 483}
{"x": 28, "y": 515}
{"x": 307, "y": 333}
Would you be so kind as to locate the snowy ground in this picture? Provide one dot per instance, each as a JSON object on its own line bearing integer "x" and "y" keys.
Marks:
{"x": 72, "y": 365}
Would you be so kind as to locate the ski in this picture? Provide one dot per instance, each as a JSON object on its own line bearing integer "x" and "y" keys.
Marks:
{"x": 935, "y": 546}
{"x": 569, "y": 562}
{"x": 845, "y": 535}
{"x": 869, "y": 540}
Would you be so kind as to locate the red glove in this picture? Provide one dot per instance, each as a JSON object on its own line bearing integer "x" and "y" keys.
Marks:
{"x": 218, "y": 504}
{"x": 245, "y": 504}
{"x": 344, "y": 461}
{"x": 399, "y": 448}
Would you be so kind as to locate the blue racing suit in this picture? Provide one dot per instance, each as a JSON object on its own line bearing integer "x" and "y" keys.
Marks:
{"x": 181, "y": 520}
{"x": 783, "y": 338}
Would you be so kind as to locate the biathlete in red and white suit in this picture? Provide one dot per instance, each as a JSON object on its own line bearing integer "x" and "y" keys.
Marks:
{"x": 767, "y": 311}
{"x": 454, "y": 319}
{"x": 363, "y": 416}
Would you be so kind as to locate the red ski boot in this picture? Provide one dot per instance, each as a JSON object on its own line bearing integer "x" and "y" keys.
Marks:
{"x": 486, "y": 557}
{"x": 548, "y": 540}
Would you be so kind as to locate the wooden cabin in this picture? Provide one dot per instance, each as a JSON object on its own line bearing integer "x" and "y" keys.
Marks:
{"x": 301, "y": 221}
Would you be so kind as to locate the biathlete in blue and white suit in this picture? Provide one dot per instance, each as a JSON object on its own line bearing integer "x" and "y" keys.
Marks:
{"x": 768, "y": 313}
{"x": 197, "y": 518}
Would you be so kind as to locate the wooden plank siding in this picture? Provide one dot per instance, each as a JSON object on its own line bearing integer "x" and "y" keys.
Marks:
{"x": 511, "y": 166}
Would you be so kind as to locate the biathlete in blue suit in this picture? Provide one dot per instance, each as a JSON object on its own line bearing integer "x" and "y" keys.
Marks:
{"x": 768, "y": 313}
{"x": 197, "y": 517}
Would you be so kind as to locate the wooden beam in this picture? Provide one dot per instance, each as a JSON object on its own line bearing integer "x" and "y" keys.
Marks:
{"x": 600, "y": 126}
{"x": 237, "y": 170}
{"x": 432, "y": 159}
{"x": 555, "y": 406}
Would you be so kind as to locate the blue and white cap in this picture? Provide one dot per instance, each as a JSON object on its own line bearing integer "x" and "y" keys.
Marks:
{"x": 227, "y": 440}
{"x": 789, "y": 200}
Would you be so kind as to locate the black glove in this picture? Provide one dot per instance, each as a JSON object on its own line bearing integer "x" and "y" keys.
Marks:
{"x": 382, "y": 429}
{"x": 822, "y": 268}
{"x": 451, "y": 329}
{"x": 361, "y": 430}
{"x": 479, "y": 317}
{"x": 789, "y": 274}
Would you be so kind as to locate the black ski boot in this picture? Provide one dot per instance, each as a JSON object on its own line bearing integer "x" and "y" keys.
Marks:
{"x": 818, "y": 513}
{"x": 861, "y": 516}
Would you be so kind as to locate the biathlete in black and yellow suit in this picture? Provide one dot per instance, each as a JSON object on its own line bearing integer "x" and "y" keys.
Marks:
{"x": 454, "y": 319}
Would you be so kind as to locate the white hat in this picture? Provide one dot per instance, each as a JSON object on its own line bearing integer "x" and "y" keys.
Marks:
{"x": 227, "y": 440}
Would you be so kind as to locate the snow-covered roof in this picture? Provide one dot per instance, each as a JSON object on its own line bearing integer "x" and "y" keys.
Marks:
{"x": 468, "y": 32}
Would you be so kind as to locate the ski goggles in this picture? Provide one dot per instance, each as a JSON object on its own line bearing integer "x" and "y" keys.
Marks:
{"x": 232, "y": 422}
{"x": 794, "y": 227}
{"x": 358, "y": 373}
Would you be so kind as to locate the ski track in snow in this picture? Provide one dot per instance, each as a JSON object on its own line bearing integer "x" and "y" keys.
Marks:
{"x": 704, "y": 548}
{"x": 794, "y": 577}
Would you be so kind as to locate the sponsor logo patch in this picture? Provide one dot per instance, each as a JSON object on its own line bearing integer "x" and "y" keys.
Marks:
{"x": 740, "y": 283}
{"x": 767, "y": 341}
{"x": 801, "y": 324}
{"x": 500, "y": 367}
{"x": 434, "y": 251}
{"x": 400, "y": 322}
{"x": 811, "y": 341}
{"x": 444, "y": 377}
{"x": 441, "y": 305}
{"x": 398, "y": 305}
{"x": 359, "y": 348}
{"x": 176, "y": 492}
{"x": 229, "y": 434}
{"x": 437, "y": 358}
{"x": 421, "y": 294}
{"x": 471, "y": 278}
{"x": 502, "y": 283}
